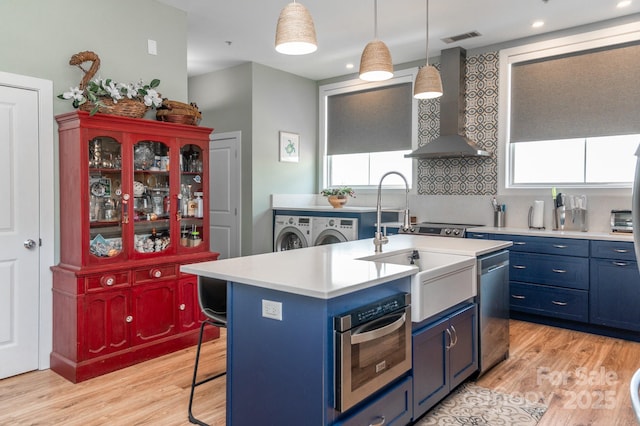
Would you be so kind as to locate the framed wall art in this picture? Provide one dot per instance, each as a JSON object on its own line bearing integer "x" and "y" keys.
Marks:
{"x": 289, "y": 147}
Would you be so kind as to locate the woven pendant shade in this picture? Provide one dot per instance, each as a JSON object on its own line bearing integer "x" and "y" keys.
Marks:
{"x": 428, "y": 84}
{"x": 375, "y": 62}
{"x": 295, "y": 32}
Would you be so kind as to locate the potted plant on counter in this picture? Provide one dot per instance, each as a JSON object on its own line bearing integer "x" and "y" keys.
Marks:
{"x": 338, "y": 196}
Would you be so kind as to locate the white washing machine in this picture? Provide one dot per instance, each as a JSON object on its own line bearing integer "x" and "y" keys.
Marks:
{"x": 292, "y": 232}
{"x": 330, "y": 230}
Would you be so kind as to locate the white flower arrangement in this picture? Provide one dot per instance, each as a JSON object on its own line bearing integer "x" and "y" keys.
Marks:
{"x": 100, "y": 89}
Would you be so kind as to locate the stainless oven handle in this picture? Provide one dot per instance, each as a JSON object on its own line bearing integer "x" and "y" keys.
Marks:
{"x": 362, "y": 337}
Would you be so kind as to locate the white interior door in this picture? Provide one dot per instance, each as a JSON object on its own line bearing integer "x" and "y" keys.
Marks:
{"x": 19, "y": 231}
{"x": 224, "y": 187}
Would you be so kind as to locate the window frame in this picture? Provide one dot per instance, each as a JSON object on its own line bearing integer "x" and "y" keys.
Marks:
{"x": 538, "y": 50}
{"x": 356, "y": 85}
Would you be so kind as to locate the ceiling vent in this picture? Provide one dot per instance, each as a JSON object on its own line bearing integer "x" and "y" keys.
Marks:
{"x": 460, "y": 37}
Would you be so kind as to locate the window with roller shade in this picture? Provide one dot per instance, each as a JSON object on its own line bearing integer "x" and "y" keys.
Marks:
{"x": 574, "y": 117}
{"x": 367, "y": 133}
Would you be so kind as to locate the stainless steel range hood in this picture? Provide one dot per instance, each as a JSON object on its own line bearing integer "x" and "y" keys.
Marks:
{"x": 451, "y": 143}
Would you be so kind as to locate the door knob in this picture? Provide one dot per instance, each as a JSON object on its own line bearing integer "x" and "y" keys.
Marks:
{"x": 29, "y": 244}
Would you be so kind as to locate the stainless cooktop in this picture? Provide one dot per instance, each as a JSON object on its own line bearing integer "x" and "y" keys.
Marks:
{"x": 455, "y": 230}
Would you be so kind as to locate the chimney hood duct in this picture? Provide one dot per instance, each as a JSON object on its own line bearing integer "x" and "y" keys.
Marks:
{"x": 451, "y": 143}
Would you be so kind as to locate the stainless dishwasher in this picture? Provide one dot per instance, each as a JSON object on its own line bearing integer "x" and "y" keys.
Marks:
{"x": 493, "y": 301}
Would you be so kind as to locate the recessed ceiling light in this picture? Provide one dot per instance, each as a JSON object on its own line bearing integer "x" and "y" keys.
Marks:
{"x": 623, "y": 3}
{"x": 537, "y": 24}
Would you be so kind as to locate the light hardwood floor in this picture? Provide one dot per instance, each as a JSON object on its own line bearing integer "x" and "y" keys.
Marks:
{"x": 583, "y": 378}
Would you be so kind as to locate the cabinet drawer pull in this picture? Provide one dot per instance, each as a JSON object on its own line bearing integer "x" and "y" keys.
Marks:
{"x": 621, "y": 250}
{"x": 559, "y": 271}
{"x": 555, "y": 302}
{"x": 378, "y": 422}
{"x": 620, "y": 263}
{"x": 560, "y": 246}
{"x": 478, "y": 235}
{"x": 155, "y": 273}
{"x": 519, "y": 243}
{"x": 129, "y": 318}
{"x": 517, "y": 296}
{"x": 519, "y": 267}
{"x": 182, "y": 307}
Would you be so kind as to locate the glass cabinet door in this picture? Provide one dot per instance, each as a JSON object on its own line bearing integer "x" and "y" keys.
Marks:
{"x": 151, "y": 204}
{"x": 105, "y": 197}
{"x": 191, "y": 197}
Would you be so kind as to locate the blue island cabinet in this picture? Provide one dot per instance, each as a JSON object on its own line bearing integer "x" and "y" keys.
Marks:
{"x": 445, "y": 353}
{"x": 280, "y": 372}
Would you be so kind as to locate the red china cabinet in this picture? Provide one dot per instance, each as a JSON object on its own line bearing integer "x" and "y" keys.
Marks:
{"x": 133, "y": 207}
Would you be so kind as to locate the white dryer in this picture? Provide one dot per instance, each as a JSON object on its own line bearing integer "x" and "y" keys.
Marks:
{"x": 330, "y": 230}
{"x": 292, "y": 232}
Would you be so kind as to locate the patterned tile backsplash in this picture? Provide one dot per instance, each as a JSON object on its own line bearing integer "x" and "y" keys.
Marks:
{"x": 465, "y": 176}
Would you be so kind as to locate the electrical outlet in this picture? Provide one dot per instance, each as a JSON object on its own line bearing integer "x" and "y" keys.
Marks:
{"x": 152, "y": 47}
{"x": 271, "y": 309}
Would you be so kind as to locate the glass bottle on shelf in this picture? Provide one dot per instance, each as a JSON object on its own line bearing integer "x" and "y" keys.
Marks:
{"x": 199, "y": 204}
{"x": 194, "y": 238}
{"x": 105, "y": 192}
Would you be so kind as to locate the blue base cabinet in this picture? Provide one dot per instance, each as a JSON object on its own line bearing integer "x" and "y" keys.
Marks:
{"x": 586, "y": 285}
{"x": 549, "y": 276}
{"x": 282, "y": 372}
{"x": 615, "y": 285}
{"x": 445, "y": 353}
{"x": 393, "y": 408}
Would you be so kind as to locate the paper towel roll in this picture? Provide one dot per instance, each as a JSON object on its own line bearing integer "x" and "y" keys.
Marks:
{"x": 537, "y": 220}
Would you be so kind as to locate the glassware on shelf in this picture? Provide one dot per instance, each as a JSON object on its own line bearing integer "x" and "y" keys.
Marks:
{"x": 194, "y": 238}
{"x": 143, "y": 156}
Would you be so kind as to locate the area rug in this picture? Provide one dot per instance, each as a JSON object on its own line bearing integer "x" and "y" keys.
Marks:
{"x": 472, "y": 405}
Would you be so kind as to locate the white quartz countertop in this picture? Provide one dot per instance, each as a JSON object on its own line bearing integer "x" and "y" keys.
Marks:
{"x": 344, "y": 209}
{"x": 606, "y": 236}
{"x": 333, "y": 270}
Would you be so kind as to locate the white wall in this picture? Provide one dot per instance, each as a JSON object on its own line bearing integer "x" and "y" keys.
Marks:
{"x": 262, "y": 101}
{"x": 38, "y": 38}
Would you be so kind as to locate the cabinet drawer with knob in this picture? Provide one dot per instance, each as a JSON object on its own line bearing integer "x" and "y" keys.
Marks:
{"x": 562, "y": 271}
{"x": 107, "y": 281}
{"x": 157, "y": 272}
{"x": 557, "y": 302}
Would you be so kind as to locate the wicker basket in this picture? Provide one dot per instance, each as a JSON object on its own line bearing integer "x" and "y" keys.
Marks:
{"x": 124, "y": 107}
{"x": 178, "y": 112}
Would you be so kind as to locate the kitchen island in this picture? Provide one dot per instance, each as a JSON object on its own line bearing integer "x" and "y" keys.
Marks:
{"x": 281, "y": 366}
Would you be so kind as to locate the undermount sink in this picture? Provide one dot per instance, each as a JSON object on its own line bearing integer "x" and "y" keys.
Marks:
{"x": 443, "y": 280}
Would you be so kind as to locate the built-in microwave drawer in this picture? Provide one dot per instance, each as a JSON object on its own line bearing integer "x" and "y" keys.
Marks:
{"x": 562, "y": 271}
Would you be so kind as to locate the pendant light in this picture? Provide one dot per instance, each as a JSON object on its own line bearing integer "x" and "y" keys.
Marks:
{"x": 295, "y": 32}
{"x": 428, "y": 84}
{"x": 375, "y": 62}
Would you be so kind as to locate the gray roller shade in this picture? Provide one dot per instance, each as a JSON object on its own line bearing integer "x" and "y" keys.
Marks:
{"x": 371, "y": 120}
{"x": 584, "y": 94}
